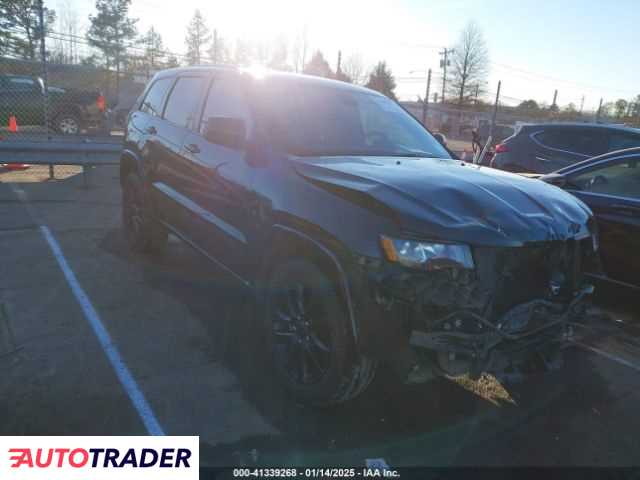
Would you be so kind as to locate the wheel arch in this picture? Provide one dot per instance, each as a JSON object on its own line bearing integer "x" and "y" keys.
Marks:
{"x": 326, "y": 252}
{"x": 129, "y": 163}
{"x": 69, "y": 109}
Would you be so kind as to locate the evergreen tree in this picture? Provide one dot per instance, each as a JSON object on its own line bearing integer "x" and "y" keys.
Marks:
{"x": 110, "y": 28}
{"x": 242, "y": 55}
{"x": 153, "y": 50}
{"x": 381, "y": 79}
{"x": 279, "y": 55}
{"x": 198, "y": 36}
{"x": 20, "y": 31}
{"x": 318, "y": 66}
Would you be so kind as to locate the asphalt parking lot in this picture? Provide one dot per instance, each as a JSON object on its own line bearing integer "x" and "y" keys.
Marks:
{"x": 185, "y": 334}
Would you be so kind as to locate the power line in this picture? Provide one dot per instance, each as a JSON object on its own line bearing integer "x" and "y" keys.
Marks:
{"x": 528, "y": 73}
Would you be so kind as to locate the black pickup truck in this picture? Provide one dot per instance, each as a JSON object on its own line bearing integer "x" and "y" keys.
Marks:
{"x": 364, "y": 241}
{"x": 70, "y": 110}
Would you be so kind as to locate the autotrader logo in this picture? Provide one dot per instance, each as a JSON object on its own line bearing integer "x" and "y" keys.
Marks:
{"x": 100, "y": 458}
{"x": 104, "y": 457}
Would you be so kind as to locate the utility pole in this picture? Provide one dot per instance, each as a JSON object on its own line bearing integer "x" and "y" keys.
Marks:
{"x": 215, "y": 46}
{"x": 152, "y": 52}
{"x": 599, "y": 111}
{"x": 444, "y": 63}
{"x": 581, "y": 103}
{"x": 339, "y": 62}
{"x": 425, "y": 104}
{"x": 43, "y": 57}
{"x": 555, "y": 97}
{"x": 495, "y": 109}
{"x": 475, "y": 97}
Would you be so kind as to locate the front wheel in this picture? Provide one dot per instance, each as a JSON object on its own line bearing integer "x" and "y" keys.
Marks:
{"x": 309, "y": 337}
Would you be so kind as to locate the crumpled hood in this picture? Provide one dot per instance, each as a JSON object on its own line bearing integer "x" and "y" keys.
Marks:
{"x": 456, "y": 201}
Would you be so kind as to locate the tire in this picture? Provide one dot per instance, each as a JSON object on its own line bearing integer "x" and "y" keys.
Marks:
{"x": 309, "y": 338}
{"x": 67, "y": 124}
{"x": 144, "y": 234}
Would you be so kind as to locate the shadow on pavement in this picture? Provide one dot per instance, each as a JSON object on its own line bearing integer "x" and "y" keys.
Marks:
{"x": 438, "y": 423}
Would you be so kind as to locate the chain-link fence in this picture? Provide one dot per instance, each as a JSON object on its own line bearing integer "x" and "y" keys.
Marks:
{"x": 497, "y": 115}
{"x": 77, "y": 99}
{"x": 62, "y": 110}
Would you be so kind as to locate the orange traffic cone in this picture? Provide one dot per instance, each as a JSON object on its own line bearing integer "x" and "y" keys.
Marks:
{"x": 13, "y": 128}
{"x": 16, "y": 166}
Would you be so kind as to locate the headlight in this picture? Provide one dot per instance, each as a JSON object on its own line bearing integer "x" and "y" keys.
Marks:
{"x": 427, "y": 255}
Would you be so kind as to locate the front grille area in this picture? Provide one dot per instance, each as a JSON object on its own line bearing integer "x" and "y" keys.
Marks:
{"x": 520, "y": 274}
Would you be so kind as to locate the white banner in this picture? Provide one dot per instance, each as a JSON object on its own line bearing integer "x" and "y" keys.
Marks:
{"x": 96, "y": 458}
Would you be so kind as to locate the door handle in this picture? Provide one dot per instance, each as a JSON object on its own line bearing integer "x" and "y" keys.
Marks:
{"x": 192, "y": 148}
{"x": 151, "y": 130}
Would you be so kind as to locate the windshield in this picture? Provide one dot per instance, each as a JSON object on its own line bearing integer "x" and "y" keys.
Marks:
{"x": 313, "y": 120}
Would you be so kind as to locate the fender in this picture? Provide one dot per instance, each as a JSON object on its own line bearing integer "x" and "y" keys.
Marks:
{"x": 344, "y": 281}
{"x": 127, "y": 156}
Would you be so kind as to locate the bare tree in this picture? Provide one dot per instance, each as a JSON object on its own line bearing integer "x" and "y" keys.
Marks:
{"x": 299, "y": 50}
{"x": 279, "y": 54}
{"x": 353, "y": 67}
{"x": 469, "y": 63}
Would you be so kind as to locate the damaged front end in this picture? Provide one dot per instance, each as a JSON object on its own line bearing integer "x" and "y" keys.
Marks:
{"x": 512, "y": 306}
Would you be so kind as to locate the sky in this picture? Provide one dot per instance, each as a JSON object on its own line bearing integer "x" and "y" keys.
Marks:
{"x": 579, "y": 47}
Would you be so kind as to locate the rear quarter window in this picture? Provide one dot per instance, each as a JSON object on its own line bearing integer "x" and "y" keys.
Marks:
{"x": 621, "y": 141}
{"x": 582, "y": 141}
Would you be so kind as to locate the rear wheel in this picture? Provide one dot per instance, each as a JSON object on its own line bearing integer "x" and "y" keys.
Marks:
{"x": 142, "y": 231}
{"x": 67, "y": 124}
{"x": 309, "y": 337}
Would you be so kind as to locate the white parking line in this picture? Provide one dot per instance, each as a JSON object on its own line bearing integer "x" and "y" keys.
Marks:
{"x": 607, "y": 355}
{"x": 111, "y": 351}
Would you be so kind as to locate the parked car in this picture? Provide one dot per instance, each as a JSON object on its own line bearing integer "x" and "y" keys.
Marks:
{"x": 70, "y": 110}
{"x": 499, "y": 134}
{"x": 545, "y": 148}
{"x": 610, "y": 186}
{"x": 363, "y": 240}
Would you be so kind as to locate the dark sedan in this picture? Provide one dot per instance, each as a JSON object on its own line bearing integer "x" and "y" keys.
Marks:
{"x": 610, "y": 185}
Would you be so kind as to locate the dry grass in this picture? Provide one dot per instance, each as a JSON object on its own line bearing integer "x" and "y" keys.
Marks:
{"x": 38, "y": 173}
{"x": 487, "y": 387}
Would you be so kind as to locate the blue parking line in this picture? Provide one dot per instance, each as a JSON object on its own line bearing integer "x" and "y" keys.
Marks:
{"x": 111, "y": 351}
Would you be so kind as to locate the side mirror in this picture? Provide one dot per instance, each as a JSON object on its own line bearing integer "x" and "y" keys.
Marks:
{"x": 38, "y": 86}
{"x": 226, "y": 131}
{"x": 442, "y": 140}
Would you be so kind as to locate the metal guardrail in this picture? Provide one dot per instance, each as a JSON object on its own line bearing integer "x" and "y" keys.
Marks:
{"x": 51, "y": 151}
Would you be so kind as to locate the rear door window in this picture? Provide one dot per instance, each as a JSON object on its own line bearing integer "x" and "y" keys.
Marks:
{"x": 620, "y": 141}
{"x": 225, "y": 100}
{"x": 583, "y": 141}
{"x": 154, "y": 99}
{"x": 21, "y": 84}
{"x": 183, "y": 100}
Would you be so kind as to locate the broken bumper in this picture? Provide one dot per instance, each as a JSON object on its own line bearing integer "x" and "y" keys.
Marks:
{"x": 517, "y": 303}
{"x": 466, "y": 342}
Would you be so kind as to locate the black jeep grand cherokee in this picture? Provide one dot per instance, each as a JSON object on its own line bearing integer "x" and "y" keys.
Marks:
{"x": 364, "y": 240}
